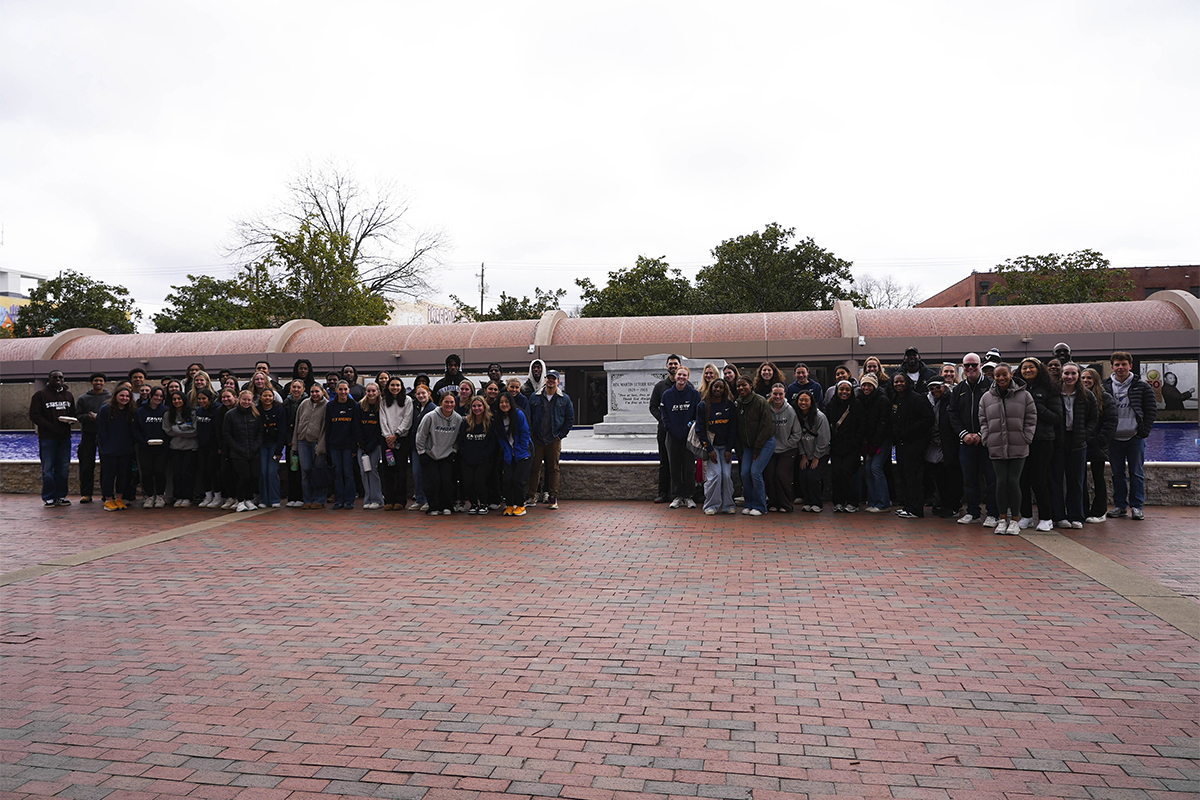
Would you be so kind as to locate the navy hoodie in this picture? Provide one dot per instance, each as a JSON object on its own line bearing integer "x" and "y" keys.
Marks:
{"x": 477, "y": 446}
{"x": 368, "y": 434}
{"x": 150, "y": 424}
{"x": 340, "y": 418}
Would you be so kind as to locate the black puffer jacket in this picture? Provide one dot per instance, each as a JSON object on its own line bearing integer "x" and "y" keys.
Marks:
{"x": 1086, "y": 419}
{"x": 1099, "y": 438}
{"x": 845, "y": 437}
{"x": 241, "y": 433}
{"x": 912, "y": 419}
{"x": 877, "y": 410}
{"x": 1049, "y": 411}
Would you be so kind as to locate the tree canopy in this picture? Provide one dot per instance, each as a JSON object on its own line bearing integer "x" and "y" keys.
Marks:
{"x": 389, "y": 256}
{"x": 764, "y": 272}
{"x": 73, "y": 300}
{"x": 650, "y": 288}
{"x": 511, "y": 307}
{"x": 1080, "y": 277}
{"x": 305, "y": 275}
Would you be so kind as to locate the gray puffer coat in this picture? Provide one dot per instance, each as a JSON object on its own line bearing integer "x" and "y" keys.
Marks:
{"x": 1007, "y": 422}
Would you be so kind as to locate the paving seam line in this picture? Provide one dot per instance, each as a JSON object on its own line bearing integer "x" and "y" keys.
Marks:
{"x": 87, "y": 556}
{"x": 1163, "y": 602}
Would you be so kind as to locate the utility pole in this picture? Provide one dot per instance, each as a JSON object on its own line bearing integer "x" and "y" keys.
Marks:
{"x": 481, "y": 288}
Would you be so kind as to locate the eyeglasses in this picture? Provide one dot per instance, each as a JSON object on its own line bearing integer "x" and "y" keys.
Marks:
{"x": 970, "y": 366}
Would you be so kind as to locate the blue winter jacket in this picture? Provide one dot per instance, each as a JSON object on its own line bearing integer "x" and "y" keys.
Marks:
{"x": 522, "y": 443}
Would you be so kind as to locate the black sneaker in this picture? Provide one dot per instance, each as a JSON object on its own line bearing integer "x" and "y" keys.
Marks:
{"x": 473, "y": 510}
{"x": 49, "y": 504}
{"x": 62, "y": 501}
{"x": 1119, "y": 511}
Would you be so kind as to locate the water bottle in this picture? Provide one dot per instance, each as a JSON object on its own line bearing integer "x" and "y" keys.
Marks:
{"x": 390, "y": 457}
{"x": 295, "y": 462}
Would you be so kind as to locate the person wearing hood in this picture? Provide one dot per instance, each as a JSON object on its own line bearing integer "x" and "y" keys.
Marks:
{"x": 877, "y": 443}
{"x": 918, "y": 373}
{"x": 422, "y": 379}
{"x": 1007, "y": 422}
{"x": 536, "y": 380}
{"x": 846, "y": 419}
{"x": 448, "y": 383}
{"x": 811, "y": 452}
{"x": 302, "y": 370}
{"x": 54, "y": 437}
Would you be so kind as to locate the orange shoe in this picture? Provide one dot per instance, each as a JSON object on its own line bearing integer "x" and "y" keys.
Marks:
{"x": 121, "y": 506}
{"x": 519, "y": 511}
{"x": 111, "y": 505}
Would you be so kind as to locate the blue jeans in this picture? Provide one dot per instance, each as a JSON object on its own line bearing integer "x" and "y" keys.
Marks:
{"x": 877, "y": 489}
{"x": 55, "y": 455}
{"x": 308, "y": 460}
{"x": 718, "y": 482}
{"x": 372, "y": 482}
{"x": 343, "y": 477}
{"x": 975, "y": 462}
{"x": 754, "y": 488}
{"x": 268, "y": 475}
{"x": 418, "y": 486}
{"x": 1131, "y": 453}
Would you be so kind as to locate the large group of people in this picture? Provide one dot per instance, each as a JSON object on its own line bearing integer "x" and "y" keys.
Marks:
{"x": 980, "y": 440}
{"x": 217, "y": 443}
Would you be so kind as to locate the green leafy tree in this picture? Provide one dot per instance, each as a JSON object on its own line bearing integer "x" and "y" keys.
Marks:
{"x": 1080, "y": 277}
{"x": 205, "y": 303}
{"x": 73, "y": 300}
{"x": 650, "y": 288}
{"x": 511, "y": 307}
{"x": 306, "y": 275}
{"x": 764, "y": 272}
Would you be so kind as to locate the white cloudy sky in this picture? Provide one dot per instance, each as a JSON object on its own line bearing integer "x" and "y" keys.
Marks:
{"x": 561, "y": 140}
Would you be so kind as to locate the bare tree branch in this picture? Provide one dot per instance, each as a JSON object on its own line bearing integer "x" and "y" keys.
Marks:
{"x": 887, "y": 292}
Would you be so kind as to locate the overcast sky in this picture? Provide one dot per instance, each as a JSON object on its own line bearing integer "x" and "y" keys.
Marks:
{"x": 562, "y": 140}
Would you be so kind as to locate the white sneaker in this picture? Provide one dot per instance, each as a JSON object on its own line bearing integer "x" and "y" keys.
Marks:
{"x": 274, "y": 505}
{"x": 1013, "y": 530}
{"x": 730, "y": 510}
{"x": 160, "y": 502}
{"x": 1063, "y": 523}
{"x": 990, "y": 522}
{"x": 873, "y": 510}
{"x": 1025, "y": 523}
{"x": 1094, "y": 520}
{"x": 184, "y": 504}
{"x": 710, "y": 512}
{"x": 745, "y": 511}
{"x": 1076, "y": 525}
{"x": 148, "y": 502}
{"x": 425, "y": 506}
{"x": 228, "y": 504}
{"x": 675, "y": 503}
{"x": 967, "y": 519}
{"x": 754, "y": 512}
{"x": 1002, "y": 527}
{"x": 690, "y": 503}
{"x": 1046, "y": 526}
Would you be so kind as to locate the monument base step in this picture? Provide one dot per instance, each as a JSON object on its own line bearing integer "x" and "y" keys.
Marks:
{"x": 634, "y": 429}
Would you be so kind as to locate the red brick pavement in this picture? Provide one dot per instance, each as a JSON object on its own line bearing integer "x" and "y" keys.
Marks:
{"x": 600, "y": 651}
{"x": 1169, "y": 552}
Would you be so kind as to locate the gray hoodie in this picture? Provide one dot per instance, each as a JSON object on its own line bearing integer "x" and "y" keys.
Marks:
{"x": 787, "y": 429}
{"x": 437, "y": 435}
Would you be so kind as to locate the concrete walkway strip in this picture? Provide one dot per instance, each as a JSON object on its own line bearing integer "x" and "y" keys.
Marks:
{"x": 1161, "y": 601}
{"x": 74, "y": 560}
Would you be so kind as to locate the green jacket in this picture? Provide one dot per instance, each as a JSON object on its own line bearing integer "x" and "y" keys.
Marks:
{"x": 755, "y": 423}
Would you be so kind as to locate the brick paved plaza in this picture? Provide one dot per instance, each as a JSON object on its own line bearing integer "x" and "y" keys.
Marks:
{"x": 600, "y": 651}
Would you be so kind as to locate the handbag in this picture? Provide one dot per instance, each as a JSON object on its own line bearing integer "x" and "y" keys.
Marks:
{"x": 693, "y": 441}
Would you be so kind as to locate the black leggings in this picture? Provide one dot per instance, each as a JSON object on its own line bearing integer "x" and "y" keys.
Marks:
{"x": 245, "y": 471}
{"x": 1099, "y": 506}
{"x": 1035, "y": 480}
{"x": 152, "y": 464}
{"x": 1008, "y": 484}
{"x": 438, "y": 476}
{"x": 516, "y": 481}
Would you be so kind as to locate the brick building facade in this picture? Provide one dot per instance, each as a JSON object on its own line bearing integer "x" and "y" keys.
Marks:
{"x": 982, "y": 289}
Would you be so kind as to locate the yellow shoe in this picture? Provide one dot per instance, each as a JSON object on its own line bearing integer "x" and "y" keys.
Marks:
{"x": 508, "y": 511}
{"x": 111, "y": 505}
{"x": 519, "y": 511}
{"x": 121, "y": 506}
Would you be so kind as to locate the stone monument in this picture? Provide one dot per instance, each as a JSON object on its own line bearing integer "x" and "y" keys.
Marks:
{"x": 630, "y": 384}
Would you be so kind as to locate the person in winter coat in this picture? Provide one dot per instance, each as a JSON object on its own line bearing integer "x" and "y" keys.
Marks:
{"x": 716, "y": 421}
{"x": 395, "y": 422}
{"x": 812, "y": 450}
{"x": 297, "y": 394}
{"x": 368, "y": 434}
{"x": 840, "y": 373}
{"x": 308, "y": 442}
{"x": 972, "y": 454}
{"x": 1035, "y": 477}
{"x": 275, "y": 434}
{"x": 756, "y": 445}
{"x": 87, "y": 408}
{"x": 1007, "y": 423}
{"x": 242, "y": 443}
{"x": 1097, "y": 446}
{"x": 877, "y": 442}
{"x": 341, "y": 442}
{"x": 226, "y": 477}
{"x": 942, "y": 454}
{"x": 847, "y": 421}
{"x": 117, "y": 442}
{"x": 551, "y": 416}
{"x": 1081, "y": 419}
{"x": 678, "y": 412}
{"x": 912, "y": 428}
{"x": 152, "y": 449}
{"x": 536, "y": 382}
{"x": 179, "y": 424}
{"x": 780, "y": 471}
{"x": 804, "y": 383}
{"x": 918, "y": 373}
{"x": 437, "y": 447}
{"x": 1136, "y": 411}
{"x": 664, "y": 457}
{"x": 516, "y": 447}
{"x": 477, "y": 447}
